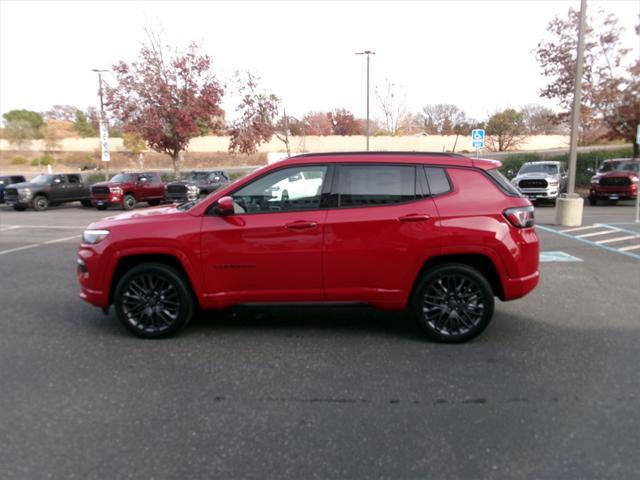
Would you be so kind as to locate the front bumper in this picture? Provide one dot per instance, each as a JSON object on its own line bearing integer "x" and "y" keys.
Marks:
{"x": 107, "y": 200}
{"x": 614, "y": 193}
{"x": 550, "y": 193}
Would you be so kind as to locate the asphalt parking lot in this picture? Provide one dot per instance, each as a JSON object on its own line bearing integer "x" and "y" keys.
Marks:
{"x": 550, "y": 390}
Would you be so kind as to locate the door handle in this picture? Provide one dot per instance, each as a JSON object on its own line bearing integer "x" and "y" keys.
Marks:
{"x": 301, "y": 225}
{"x": 414, "y": 218}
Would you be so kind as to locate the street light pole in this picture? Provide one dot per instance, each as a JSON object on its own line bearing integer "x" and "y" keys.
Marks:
{"x": 577, "y": 95}
{"x": 102, "y": 121}
{"x": 569, "y": 206}
{"x": 368, "y": 53}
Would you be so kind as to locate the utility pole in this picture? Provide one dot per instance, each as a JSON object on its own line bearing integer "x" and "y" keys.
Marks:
{"x": 368, "y": 53}
{"x": 104, "y": 129}
{"x": 569, "y": 207}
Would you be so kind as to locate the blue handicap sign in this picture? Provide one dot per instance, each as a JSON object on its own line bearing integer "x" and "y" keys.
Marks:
{"x": 477, "y": 138}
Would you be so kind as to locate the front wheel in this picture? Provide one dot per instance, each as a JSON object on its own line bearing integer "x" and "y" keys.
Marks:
{"x": 153, "y": 300}
{"x": 40, "y": 203}
{"x": 128, "y": 202}
{"x": 453, "y": 303}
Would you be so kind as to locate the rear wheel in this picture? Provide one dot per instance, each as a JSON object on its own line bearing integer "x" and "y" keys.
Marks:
{"x": 153, "y": 300}
{"x": 40, "y": 203}
{"x": 453, "y": 303}
{"x": 128, "y": 202}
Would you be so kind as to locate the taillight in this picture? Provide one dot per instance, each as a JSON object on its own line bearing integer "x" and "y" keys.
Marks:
{"x": 520, "y": 217}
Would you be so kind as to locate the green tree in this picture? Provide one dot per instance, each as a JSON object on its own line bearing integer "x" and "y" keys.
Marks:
{"x": 83, "y": 126}
{"x": 19, "y": 133}
{"x": 33, "y": 119}
{"x": 505, "y": 130}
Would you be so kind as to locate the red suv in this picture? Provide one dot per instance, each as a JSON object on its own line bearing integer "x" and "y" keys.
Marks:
{"x": 440, "y": 234}
{"x": 127, "y": 189}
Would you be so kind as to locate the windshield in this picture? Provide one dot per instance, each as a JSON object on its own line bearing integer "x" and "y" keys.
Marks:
{"x": 608, "y": 166}
{"x": 548, "y": 168}
{"x": 42, "y": 179}
{"x": 198, "y": 176}
{"x": 123, "y": 177}
{"x": 628, "y": 167}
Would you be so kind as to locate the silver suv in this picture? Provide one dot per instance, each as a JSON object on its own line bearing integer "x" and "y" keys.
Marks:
{"x": 541, "y": 180}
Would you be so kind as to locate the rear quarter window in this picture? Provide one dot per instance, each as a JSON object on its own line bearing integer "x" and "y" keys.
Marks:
{"x": 438, "y": 180}
{"x": 503, "y": 183}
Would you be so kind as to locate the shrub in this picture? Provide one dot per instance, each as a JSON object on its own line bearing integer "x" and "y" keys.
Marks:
{"x": 43, "y": 160}
{"x": 95, "y": 177}
{"x": 19, "y": 161}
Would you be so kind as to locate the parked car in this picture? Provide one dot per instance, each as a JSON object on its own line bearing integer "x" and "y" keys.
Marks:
{"x": 127, "y": 189}
{"x": 541, "y": 180}
{"x": 618, "y": 184}
{"x": 6, "y": 180}
{"x": 197, "y": 183}
{"x": 438, "y": 234}
{"x": 606, "y": 166}
{"x": 48, "y": 190}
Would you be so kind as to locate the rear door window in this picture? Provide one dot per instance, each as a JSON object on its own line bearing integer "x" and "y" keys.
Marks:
{"x": 373, "y": 185}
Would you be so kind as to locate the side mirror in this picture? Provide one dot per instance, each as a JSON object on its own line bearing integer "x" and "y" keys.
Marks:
{"x": 590, "y": 170}
{"x": 510, "y": 172}
{"x": 224, "y": 206}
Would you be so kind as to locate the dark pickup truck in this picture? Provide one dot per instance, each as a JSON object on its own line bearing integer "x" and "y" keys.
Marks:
{"x": 8, "y": 180}
{"x": 196, "y": 184}
{"x": 47, "y": 189}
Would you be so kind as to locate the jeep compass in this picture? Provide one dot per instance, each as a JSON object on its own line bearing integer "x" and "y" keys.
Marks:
{"x": 438, "y": 234}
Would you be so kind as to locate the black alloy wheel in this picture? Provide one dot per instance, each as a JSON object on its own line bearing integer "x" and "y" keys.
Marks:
{"x": 453, "y": 303}
{"x": 40, "y": 203}
{"x": 129, "y": 202}
{"x": 153, "y": 300}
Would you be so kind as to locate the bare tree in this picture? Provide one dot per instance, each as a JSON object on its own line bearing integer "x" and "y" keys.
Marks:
{"x": 539, "y": 120}
{"x": 441, "y": 118}
{"x": 393, "y": 103}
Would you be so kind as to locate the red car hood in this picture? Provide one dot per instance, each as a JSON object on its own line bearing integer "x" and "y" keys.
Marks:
{"x": 136, "y": 216}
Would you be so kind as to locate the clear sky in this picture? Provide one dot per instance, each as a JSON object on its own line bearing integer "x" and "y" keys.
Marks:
{"x": 476, "y": 54}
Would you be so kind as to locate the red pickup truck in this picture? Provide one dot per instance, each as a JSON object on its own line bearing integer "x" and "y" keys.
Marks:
{"x": 618, "y": 184}
{"x": 127, "y": 189}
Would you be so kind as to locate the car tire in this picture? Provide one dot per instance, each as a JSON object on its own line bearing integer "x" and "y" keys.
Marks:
{"x": 86, "y": 203}
{"x": 593, "y": 201}
{"x": 101, "y": 207}
{"x": 40, "y": 203}
{"x": 128, "y": 202}
{"x": 153, "y": 203}
{"x": 459, "y": 292}
{"x": 141, "y": 307}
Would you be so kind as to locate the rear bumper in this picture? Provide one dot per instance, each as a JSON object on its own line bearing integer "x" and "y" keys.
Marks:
{"x": 519, "y": 287}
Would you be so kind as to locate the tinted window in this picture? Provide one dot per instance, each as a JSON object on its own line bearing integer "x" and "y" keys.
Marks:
{"x": 73, "y": 179}
{"x": 365, "y": 185}
{"x": 548, "y": 168}
{"x": 294, "y": 188}
{"x": 437, "y": 179}
{"x": 503, "y": 182}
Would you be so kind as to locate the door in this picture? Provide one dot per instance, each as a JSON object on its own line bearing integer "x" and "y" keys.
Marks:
{"x": 59, "y": 189}
{"x": 270, "y": 249}
{"x": 75, "y": 188}
{"x": 379, "y": 233}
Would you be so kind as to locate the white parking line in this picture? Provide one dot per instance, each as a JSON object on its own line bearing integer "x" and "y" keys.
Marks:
{"x": 58, "y": 227}
{"x": 7, "y": 227}
{"x": 579, "y": 228}
{"x": 595, "y": 234}
{"x": 619, "y": 239}
{"x": 34, "y": 245}
{"x": 632, "y": 247}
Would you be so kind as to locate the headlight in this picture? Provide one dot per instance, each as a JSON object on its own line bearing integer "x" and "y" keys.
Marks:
{"x": 94, "y": 236}
{"x": 594, "y": 179}
{"x": 192, "y": 188}
{"x": 635, "y": 179}
{"x": 25, "y": 192}
{"x": 116, "y": 190}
